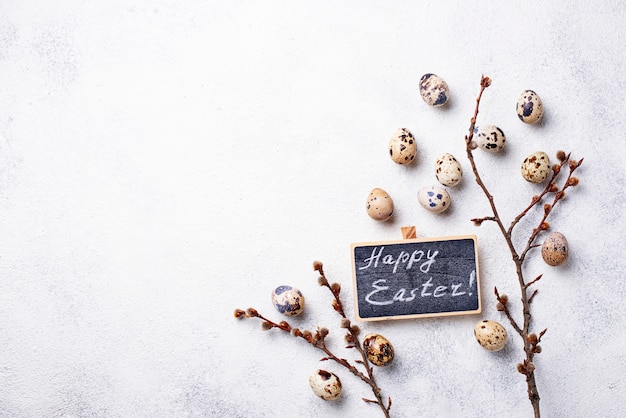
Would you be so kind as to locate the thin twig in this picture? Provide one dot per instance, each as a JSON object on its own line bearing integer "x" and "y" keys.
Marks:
{"x": 318, "y": 339}
{"x": 530, "y": 340}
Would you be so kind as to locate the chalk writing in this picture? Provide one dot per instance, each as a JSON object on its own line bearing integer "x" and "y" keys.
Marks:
{"x": 416, "y": 278}
{"x": 402, "y": 258}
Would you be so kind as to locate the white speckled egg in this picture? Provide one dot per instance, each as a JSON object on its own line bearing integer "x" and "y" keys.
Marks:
{"x": 555, "y": 249}
{"x": 448, "y": 170}
{"x": 288, "y": 300}
{"x": 378, "y": 349}
{"x": 379, "y": 205}
{"x": 529, "y": 107}
{"x": 536, "y": 167}
{"x": 434, "y": 90}
{"x": 402, "y": 147}
{"x": 489, "y": 138}
{"x": 491, "y": 335}
{"x": 434, "y": 198}
{"x": 325, "y": 384}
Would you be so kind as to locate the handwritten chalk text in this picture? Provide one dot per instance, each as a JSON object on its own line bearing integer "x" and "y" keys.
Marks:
{"x": 381, "y": 294}
{"x": 404, "y": 259}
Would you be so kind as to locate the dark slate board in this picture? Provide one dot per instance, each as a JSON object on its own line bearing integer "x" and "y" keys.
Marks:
{"x": 416, "y": 278}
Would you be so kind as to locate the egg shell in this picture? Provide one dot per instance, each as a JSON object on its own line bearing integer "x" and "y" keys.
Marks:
{"x": 555, "y": 249}
{"x": 491, "y": 335}
{"x": 288, "y": 300}
{"x": 529, "y": 107}
{"x": 379, "y": 205}
{"x": 378, "y": 349}
{"x": 536, "y": 167}
{"x": 402, "y": 147}
{"x": 448, "y": 170}
{"x": 434, "y": 90}
{"x": 434, "y": 199}
{"x": 325, "y": 384}
{"x": 489, "y": 138}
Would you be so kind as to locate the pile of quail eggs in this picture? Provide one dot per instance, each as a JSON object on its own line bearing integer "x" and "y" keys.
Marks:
{"x": 536, "y": 168}
{"x": 403, "y": 150}
{"x": 402, "y": 147}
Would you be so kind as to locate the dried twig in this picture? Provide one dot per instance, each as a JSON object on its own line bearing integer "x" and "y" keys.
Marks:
{"x": 318, "y": 339}
{"x": 530, "y": 340}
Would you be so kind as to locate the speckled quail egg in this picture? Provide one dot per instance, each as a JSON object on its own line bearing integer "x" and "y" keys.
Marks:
{"x": 536, "y": 167}
{"x": 325, "y": 384}
{"x": 288, "y": 300}
{"x": 402, "y": 147}
{"x": 491, "y": 335}
{"x": 555, "y": 249}
{"x": 529, "y": 107}
{"x": 434, "y": 90}
{"x": 448, "y": 170}
{"x": 489, "y": 138}
{"x": 434, "y": 198}
{"x": 379, "y": 205}
{"x": 378, "y": 349}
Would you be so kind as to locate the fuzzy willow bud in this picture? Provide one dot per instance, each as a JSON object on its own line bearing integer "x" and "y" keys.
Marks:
{"x": 317, "y": 265}
{"x": 547, "y": 208}
{"x": 573, "y": 181}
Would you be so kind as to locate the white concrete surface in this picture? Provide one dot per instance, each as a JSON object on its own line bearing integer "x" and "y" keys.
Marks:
{"x": 164, "y": 162}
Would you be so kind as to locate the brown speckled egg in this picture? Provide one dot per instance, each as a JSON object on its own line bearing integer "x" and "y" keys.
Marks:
{"x": 555, "y": 249}
{"x": 325, "y": 384}
{"x": 288, "y": 300}
{"x": 489, "y": 138}
{"x": 448, "y": 170}
{"x": 536, "y": 167}
{"x": 529, "y": 107}
{"x": 402, "y": 147}
{"x": 434, "y": 90}
{"x": 379, "y": 205}
{"x": 434, "y": 199}
{"x": 378, "y": 349}
{"x": 491, "y": 335}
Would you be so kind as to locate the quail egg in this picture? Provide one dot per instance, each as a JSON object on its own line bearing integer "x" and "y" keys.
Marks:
{"x": 402, "y": 147}
{"x": 434, "y": 199}
{"x": 325, "y": 384}
{"x": 529, "y": 107}
{"x": 536, "y": 167}
{"x": 448, "y": 170}
{"x": 489, "y": 138}
{"x": 434, "y": 90}
{"x": 288, "y": 300}
{"x": 379, "y": 205}
{"x": 378, "y": 349}
{"x": 491, "y": 335}
{"x": 555, "y": 249}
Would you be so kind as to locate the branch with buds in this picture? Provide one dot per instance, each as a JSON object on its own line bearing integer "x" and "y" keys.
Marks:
{"x": 317, "y": 339}
{"x": 552, "y": 189}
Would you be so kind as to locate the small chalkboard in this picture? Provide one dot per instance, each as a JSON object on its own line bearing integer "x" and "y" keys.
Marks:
{"x": 415, "y": 278}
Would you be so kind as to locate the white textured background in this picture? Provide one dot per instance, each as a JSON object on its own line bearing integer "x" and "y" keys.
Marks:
{"x": 164, "y": 162}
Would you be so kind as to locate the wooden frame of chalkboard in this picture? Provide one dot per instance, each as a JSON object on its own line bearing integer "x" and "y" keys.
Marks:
{"x": 416, "y": 278}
